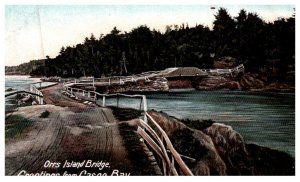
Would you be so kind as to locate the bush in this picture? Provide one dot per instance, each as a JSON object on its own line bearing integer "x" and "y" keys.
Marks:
{"x": 45, "y": 114}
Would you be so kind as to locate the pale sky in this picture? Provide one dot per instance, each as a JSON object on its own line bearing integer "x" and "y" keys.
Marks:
{"x": 29, "y": 37}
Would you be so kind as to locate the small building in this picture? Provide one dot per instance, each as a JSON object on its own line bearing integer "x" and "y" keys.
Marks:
{"x": 182, "y": 77}
{"x": 182, "y": 72}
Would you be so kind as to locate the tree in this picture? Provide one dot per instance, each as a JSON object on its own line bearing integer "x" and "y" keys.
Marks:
{"x": 246, "y": 37}
{"x": 224, "y": 30}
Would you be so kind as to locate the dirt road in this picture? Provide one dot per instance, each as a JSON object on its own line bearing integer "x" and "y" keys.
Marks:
{"x": 53, "y": 95}
{"x": 72, "y": 132}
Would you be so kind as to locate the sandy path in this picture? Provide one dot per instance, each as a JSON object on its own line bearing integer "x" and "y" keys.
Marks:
{"x": 79, "y": 134}
{"x": 53, "y": 95}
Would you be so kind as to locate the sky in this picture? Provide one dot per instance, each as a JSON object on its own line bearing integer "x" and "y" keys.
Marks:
{"x": 35, "y": 31}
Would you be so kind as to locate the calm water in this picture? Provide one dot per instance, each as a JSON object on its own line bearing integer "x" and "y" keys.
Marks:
{"x": 267, "y": 119}
{"x": 19, "y": 82}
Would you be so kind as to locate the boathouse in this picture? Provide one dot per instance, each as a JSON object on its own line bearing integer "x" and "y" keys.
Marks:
{"x": 183, "y": 72}
{"x": 183, "y": 77}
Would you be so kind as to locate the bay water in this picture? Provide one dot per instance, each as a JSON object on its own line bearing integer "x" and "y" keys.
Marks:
{"x": 266, "y": 119}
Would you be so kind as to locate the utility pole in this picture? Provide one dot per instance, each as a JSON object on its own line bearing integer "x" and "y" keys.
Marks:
{"x": 124, "y": 61}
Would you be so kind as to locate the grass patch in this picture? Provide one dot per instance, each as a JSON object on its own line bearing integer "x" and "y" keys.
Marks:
{"x": 125, "y": 114}
{"x": 45, "y": 114}
{"x": 140, "y": 162}
{"x": 15, "y": 125}
{"x": 11, "y": 104}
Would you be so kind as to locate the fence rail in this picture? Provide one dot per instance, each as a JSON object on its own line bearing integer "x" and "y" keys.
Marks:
{"x": 111, "y": 80}
{"x": 39, "y": 96}
{"x": 237, "y": 69}
{"x": 161, "y": 146}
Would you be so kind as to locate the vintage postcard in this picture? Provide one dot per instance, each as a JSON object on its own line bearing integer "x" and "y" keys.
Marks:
{"x": 149, "y": 90}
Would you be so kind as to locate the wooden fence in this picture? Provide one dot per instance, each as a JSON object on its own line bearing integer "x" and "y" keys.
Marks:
{"x": 160, "y": 143}
{"x": 235, "y": 70}
{"x": 39, "y": 95}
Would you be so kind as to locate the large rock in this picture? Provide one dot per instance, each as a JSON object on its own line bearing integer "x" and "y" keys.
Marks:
{"x": 193, "y": 143}
{"x": 251, "y": 81}
{"x": 231, "y": 147}
{"x": 279, "y": 87}
{"x": 218, "y": 82}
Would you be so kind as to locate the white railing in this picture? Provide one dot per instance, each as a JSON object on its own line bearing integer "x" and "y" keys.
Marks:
{"x": 237, "y": 69}
{"x": 160, "y": 143}
{"x": 93, "y": 96}
{"x": 39, "y": 96}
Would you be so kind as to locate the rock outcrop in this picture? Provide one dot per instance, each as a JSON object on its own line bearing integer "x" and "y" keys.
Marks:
{"x": 247, "y": 81}
{"x": 279, "y": 87}
{"x": 219, "y": 150}
{"x": 217, "y": 82}
{"x": 193, "y": 143}
{"x": 251, "y": 81}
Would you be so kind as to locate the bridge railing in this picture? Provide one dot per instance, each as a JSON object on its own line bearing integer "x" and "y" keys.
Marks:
{"x": 237, "y": 69}
{"x": 160, "y": 143}
{"x": 94, "y": 96}
{"x": 39, "y": 96}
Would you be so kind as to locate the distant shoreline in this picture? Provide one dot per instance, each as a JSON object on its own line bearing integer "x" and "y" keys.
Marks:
{"x": 16, "y": 74}
{"x": 22, "y": 75}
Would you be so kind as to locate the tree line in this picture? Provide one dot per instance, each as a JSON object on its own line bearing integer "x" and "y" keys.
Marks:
{"x": 258, "y": 44}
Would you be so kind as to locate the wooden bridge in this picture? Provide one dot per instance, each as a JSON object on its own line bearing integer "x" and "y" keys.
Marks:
{"x": 169, "y": 72}
{"x": 111, "y": 80}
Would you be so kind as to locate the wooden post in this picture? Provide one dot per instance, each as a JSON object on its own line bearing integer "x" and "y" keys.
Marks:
{"x": 71, "y": 91}
{"x": 83, "y": 93}
{"x": 118, "y": 101}
{"x": 109, "y": 81}
{"x": 141, "y": 103}
{"x": 172, "y": 160}
{"x": 103, "y": 101}
{"x": 93, "y": 82}
{"x": 145, "y": 108}
{"x": 89, "y": 94}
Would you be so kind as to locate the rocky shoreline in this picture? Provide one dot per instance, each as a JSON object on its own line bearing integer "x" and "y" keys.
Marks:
{"x": 217, "y": 148}
{"x": 247, "y": 81}
{"x": 220, "y": 150}
{"x": 244, "y": 82}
